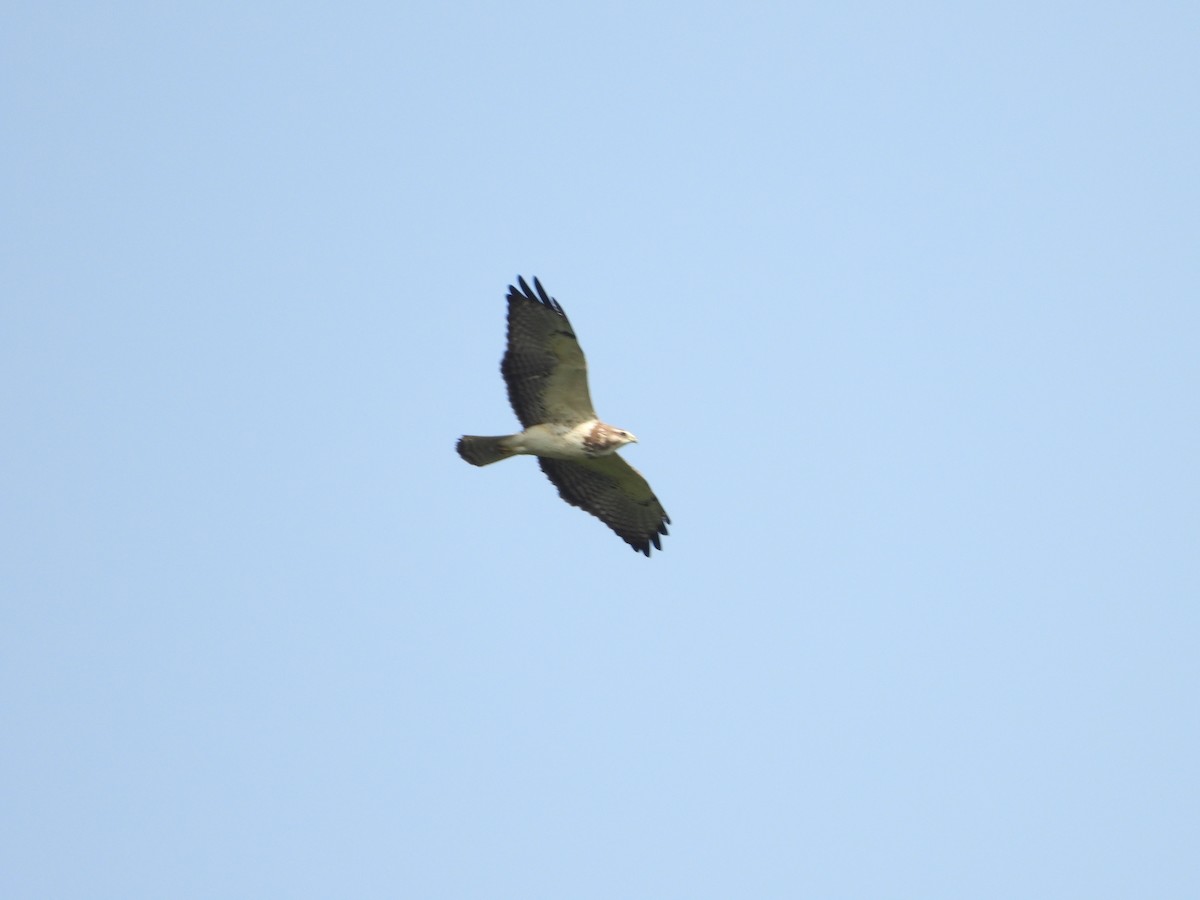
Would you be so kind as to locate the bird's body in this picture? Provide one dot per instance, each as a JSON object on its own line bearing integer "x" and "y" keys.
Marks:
{"x": 554, "y": 440}
{"x": 546, "y": 375}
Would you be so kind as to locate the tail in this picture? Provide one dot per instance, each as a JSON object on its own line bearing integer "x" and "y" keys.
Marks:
{"x": 482, "y": 451}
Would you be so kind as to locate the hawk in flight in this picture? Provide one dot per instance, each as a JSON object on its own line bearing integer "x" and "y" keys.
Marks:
{"x": 546, "y": 375}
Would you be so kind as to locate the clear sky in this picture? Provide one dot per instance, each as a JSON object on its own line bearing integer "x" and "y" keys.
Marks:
{"x": 902, "y": 301}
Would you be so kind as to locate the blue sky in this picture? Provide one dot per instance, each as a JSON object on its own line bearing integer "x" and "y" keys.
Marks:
{"x": 902, "y": 301}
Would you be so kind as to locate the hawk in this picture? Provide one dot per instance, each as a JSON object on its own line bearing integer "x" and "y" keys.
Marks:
{"x": 546, "y": 375}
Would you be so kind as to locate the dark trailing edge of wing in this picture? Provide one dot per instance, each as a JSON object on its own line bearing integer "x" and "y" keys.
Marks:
{"x": 641, "y": 543}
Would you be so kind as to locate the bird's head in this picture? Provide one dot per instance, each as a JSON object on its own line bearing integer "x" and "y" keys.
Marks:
{"x": 605, "y": 439}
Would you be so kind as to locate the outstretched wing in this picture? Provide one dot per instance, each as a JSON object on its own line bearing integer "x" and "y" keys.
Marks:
{"x": 615, "y": 493}
{"x": 543, "y": 366}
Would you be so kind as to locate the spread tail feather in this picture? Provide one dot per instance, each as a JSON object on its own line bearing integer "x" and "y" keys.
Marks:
{"x": 483, "y": 451}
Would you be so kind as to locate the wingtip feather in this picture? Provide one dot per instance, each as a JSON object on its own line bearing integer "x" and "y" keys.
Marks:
{"x": 537, "y": 294}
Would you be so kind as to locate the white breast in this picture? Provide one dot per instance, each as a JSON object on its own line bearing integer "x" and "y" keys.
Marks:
{"x": 555, "y": 441}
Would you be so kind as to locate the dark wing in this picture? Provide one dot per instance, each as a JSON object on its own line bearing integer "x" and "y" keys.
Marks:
{"x": 543, "y": 366}
{"x": 615, "y": 493}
